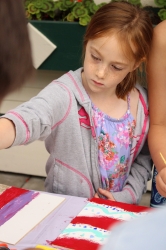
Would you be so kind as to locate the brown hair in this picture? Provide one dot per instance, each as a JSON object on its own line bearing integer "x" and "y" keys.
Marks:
{"x": 134, "y": 28}
{"x": 15, "y": 51}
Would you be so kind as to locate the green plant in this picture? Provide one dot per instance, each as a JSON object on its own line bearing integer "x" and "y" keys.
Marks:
{"x": 162, "y": 11}
{"x": 76, "y": 10}
{"x": 61, "y": 10}
{"x": 39, "y": 9}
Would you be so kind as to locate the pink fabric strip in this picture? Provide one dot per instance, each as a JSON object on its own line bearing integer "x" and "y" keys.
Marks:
{"x": 132, "y": 195}
{"x": 76, "y": 85}
{"x": 25, "y": 124}
{"x": 69, "y": 107}
{"x": 144, "y": 126}
{"x": 79, "y": 173}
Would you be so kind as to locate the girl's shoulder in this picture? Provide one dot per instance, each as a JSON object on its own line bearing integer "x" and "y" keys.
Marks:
{"x": 142, "y": 91}
{"x": 138, "y": 98}
{"x": 134, "y": 100}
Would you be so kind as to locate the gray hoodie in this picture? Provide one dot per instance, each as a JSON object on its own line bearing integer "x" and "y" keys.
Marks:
{"x": 61, "y": 114}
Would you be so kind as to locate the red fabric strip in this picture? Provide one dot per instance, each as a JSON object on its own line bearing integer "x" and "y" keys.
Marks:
{"x": 125, "y": 206}
{"x": 101, "y": 222}
{"x": 76, "y": 244}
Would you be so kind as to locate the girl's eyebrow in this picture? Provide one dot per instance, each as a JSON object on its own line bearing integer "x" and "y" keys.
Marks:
{"x": 114, "y": 62}
{"x": 91, "y": 47}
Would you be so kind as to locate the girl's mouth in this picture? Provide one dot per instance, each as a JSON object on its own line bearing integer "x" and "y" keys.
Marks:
{"x": 97, "y": 83}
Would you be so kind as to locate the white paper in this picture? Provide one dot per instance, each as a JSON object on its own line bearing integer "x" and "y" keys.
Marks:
{"x": 28, "y": 217}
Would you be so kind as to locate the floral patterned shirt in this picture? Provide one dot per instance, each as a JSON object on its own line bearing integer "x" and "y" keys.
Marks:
{"x": 114, "y": 146}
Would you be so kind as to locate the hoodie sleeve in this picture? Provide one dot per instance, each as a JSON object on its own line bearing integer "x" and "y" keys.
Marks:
{"x": 35, "y": 119}
{"x": 136, "y": 183}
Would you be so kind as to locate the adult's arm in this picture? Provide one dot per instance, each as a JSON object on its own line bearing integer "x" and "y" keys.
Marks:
{"x": 157, "y": 103}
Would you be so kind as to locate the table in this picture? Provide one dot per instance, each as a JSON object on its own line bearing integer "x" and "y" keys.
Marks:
{"x": 53, "y": 224}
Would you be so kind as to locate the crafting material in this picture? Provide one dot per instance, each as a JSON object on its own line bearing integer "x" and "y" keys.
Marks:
{"x": 4, "y": 246}
{"x": 22, "y": 210}
{"x": 46, "y": 247}
{"x": 92, "y": 226}
{"x": 51, "y": 248}
{"x": 163, "y": 158}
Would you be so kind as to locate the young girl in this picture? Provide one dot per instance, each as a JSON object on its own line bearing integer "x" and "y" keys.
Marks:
{"x": 94, "y": 120}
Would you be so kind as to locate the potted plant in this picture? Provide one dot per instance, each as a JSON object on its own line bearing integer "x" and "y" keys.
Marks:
{"x": 64, "y": 23}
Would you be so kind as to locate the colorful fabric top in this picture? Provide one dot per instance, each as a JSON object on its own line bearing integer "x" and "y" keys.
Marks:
{"x": 114, "y": 145}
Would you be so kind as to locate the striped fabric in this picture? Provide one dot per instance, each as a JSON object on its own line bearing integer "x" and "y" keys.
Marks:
{"x": 91, "y": 227}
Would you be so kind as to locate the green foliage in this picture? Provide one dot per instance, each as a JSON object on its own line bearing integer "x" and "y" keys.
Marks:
{"x": 73, "y": 10}
{"x": 162, "y": 11}
{"x": 162, "y": 14}
{"x": 160, "y": 3}
{"x": 38, "y": 9}
{"x": 136, "y": 2}
{"x": 61, "y": 10}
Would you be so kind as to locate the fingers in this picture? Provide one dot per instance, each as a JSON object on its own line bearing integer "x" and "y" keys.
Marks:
{"x": 96, "y": 195}
{"x": 102, "y": 193}
{"x": 106, "y": 193}
{"x": 99, "y": 195}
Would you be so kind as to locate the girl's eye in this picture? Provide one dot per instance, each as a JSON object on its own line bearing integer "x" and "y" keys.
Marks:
{"x": 116, "y": 68}
{"x": 95, "y": 58}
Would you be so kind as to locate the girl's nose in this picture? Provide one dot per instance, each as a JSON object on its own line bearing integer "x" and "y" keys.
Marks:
{"x": 101, "y": 71}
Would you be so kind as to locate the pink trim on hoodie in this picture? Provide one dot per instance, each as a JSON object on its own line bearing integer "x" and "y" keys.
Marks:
{"x": 132, "y": 195}
{"x": 69, "y": 107}
{"x": 25, "y": 124}
{"x": 79, "y": 173}
{"x": 146, "y": 112}
{"x": 82, "y": 98}
{"x": 76, "y": 85}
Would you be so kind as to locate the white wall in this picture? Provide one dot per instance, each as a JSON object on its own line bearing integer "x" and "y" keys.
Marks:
{"x": 41, "y": 79}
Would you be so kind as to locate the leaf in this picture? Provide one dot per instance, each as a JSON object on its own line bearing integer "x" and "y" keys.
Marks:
{"x": 80, "y": 11}
{"x": 160, "y": 3}
{"x": 68, "y": 3}
{"x": 70, "y": 17}
{"x": 84, "y": 20}
{"x": 135, "y": 2}
{"x": 93, "y": 8}
{"x": 32, "y": 9}
{"x": 162, "y": 14}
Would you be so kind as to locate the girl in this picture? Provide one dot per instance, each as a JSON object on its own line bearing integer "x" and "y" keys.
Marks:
{"x": 94, "y": 120}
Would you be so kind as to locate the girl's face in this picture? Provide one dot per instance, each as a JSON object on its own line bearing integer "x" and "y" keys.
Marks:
{"x": 105, "y": 64}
